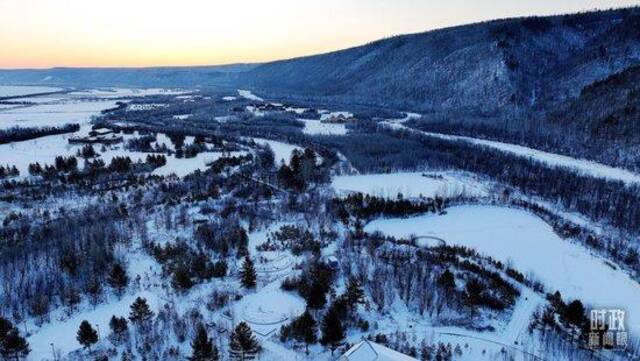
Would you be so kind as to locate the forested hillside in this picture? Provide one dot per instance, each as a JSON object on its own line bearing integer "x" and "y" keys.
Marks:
{"x": 499, "y": 68}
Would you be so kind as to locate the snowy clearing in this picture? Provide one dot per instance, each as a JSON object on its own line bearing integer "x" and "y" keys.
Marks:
{"x": 12, "y": 91}
{"x": 53, "y": 114}
{"x": 409, "y": 184}
{"x": 316, "y": 127}
{"x": 249, "y": 95}
{"x": 282, "y": 151}
{"x": 63, "y": 333}
{"x": 530, "y": 244}
{"x": 184, "y": 166}
{"x": 124, "y": 92}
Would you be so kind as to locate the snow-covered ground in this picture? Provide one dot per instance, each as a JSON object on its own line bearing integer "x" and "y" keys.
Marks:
{"x": 255, "y": 111}
{"x": 325, "y": 114}
{"x": 70, "y": 109}
{"x": 528, "y": 243}
{"x": 410, "y": 185}
{"x": 184, "y": 166}
{"x": 16, "y": 90}
{"x": 282, "y": 151}
{"x": 249, "y": 95}
{"x": 124, "y": 92}
{"x": 55, "y": 114}
{"x": 316, "y": 127}
{"x": 63, "y": 333}
{"x": 579, "y": 165}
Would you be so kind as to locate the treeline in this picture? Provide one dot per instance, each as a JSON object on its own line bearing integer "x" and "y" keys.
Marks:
{"x": 439, "y": 280}
{"x": 18, "y": 134}
{"x": 69, "y": 166}
{"x": 368, "y": 207}
{"x": 598, "y": 198}
{"x": 8, "y": 171}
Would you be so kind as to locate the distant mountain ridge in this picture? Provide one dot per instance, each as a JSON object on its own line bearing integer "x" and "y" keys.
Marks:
{"x": 188, "y": 76}
{"x": 503, "y": 68}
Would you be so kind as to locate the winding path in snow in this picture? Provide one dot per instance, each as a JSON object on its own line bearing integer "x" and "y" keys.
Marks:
{"x": 581, "y": 166}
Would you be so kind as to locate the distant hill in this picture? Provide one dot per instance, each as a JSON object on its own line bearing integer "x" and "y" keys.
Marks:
{"x": 503, "y": 67}
{"x": 127, "y": 77}
{"x": 510, "y": 68}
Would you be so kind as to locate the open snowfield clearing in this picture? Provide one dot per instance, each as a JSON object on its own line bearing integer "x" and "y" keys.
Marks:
{"x": 16, "y": 90}
{"x": 582, "y": 166}
{"x": 45, "y": 149}
{"x": 269, "y": 308}
{"x": 316, "y": 127}
{"x": 282, "y": 151}
{"x": 184, "y": 166}
{"x": 124, "y": 92}
{"x": 518, "y": 237}
{"x": 63, "y": 333}
{"x": 409, "y": 184}
{"x": 53, "y": 114}
{"x": 249, "y": 95}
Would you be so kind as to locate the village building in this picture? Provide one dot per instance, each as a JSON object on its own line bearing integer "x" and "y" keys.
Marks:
{"x": 370, "y": 351}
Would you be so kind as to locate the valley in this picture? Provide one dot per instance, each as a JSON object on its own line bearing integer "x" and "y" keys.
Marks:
{"x": 201, "y": 184}
{"x": 467, "y": 193}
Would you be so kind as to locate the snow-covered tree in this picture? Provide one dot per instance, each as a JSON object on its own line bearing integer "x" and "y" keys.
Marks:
{"x": 243, "y": 345}
{"x": 248, "y": 274}
{"x": 202, "y": 347}
{"x": 140, "y": 313}
{"x": 86, "y": 335}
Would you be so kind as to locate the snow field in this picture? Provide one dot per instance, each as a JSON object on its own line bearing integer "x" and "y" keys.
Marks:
{"x": 17, "y": 90}
{"x": 529, "y": 244}
{"x": 316, "y": 127}
{"x": 63, "y": 333}
{"x": 249, "y": 95}
{"x": 410, "y": 185}
{"x": 282, "y": 151}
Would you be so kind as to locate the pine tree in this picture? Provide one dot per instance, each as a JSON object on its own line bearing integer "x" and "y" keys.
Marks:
{"x": 203, "y": 347}
{"x": 118, "y": 327}
{"x": 86, "y": 336}
{"x": 5, "y": 327}
{"x": 305, "y": 329}
{"x": 243, "y": 344}
{"x": 355, "y": 294}
{"x": 248, "y": 274}
{"x": 181, "y": 280}
{"x": 333, "y": 333}
{"x": 118, "y": 279}
{"x": 12, "y": 345}
{"x": 140, "y": 313}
